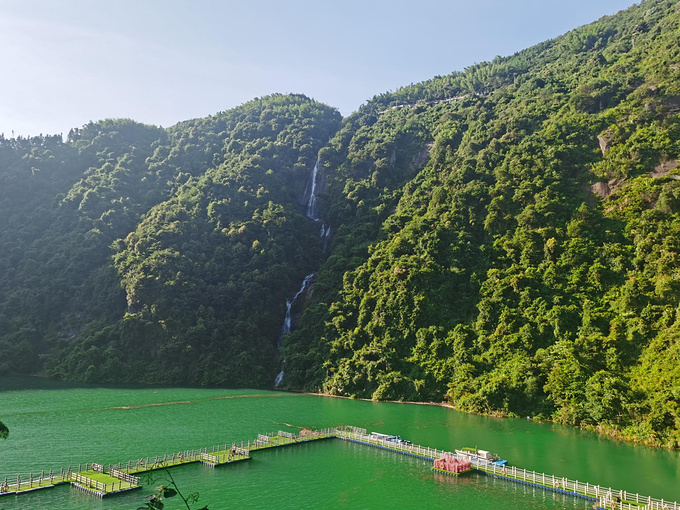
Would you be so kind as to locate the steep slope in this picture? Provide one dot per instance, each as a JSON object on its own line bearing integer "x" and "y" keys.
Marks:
{"x": 504, "y": 238}
{"x": 199, "y": 224}
{"x": 507, "y": 278}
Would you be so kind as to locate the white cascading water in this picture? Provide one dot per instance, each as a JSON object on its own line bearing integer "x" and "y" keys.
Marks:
{"x": 285, "y": 329}
{"x": 312, "y": 213}
{"x": 325, "y": 234}
{"x": 312, "y": 210}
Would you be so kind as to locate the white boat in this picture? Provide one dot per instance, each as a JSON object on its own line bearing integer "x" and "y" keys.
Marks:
{"x": 483, "y": 455}
{"x": 389, "y": 438}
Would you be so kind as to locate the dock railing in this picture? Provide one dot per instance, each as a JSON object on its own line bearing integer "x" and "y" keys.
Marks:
{"x": 281, "y": 438}
{"x": 157, "y": 462}
{"x": 32, "y": 481}
{"x": 88, "y": 482}
{"x": 171, "y": 459}
{"x": 606, "y": 496}
{"x": 219, "y": 453}
{"x": 96, "y": 487}
{"x": 355, "y": 434}
{"x": 122, "y": 475}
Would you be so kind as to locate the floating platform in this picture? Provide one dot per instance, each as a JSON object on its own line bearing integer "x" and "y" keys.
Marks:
{"x": 223, "y": 457}
{"x": 452, "y": 465}
{"x": 99, "y": 481}
{"x": 12, "y": 490}
{"x": 451, "y": 473}
{"x": 282, "y": 438}
{"x": 44, "y": 481}
{"x": 605, "y": 498}
{"x": 91, "y": 480}
{"x": 356, "y": 435}
{"x": 153, "y": 463}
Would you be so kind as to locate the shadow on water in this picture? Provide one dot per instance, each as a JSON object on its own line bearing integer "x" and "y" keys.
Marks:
{"x": 18, "y": 383}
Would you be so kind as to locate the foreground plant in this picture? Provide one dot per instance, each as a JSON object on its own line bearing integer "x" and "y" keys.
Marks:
{"x": 155, "y": 501}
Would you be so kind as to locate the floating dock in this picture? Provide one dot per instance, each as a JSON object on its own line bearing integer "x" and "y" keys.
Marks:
{"x": 605, "y": 498}
{"x": 98, "y": 483}
{"x": 451, "y": 465}
{"x": 102, "y": 481}
{"x": 92, "y": 480}
{"x": 282, "y": 438}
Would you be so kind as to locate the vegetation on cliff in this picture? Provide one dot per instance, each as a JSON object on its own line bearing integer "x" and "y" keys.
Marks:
{"x": 142, "y": 254}
{"x": 531, "y": 266}
{"x": 505, "y": 238}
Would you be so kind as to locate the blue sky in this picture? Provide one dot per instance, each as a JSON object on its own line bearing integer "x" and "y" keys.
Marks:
{"x": 162, "y": 61}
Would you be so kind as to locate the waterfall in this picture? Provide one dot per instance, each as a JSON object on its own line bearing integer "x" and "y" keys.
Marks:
{"x": 325, "y": 234}
{"x": 312, "y": 209}
{"x": 312, "y": 212}
{"x": 285, "y": 329}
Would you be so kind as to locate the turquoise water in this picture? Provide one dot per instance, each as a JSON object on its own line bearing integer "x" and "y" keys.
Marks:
{"x": 54, "y": 426}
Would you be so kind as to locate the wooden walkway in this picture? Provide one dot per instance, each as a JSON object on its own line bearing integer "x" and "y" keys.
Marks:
{"x": 275, "y": 440}
{"x": 100, "y": 484}
{"x": 92, "y": 480}
{"x": 99, "y": 481}
{"x": 217, "y": 455}
{"x": 605, "y": 498}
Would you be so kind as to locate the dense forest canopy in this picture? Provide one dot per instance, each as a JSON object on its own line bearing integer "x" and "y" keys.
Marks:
{"x": 141, "y": 254}
{"x": 505, "y": 238}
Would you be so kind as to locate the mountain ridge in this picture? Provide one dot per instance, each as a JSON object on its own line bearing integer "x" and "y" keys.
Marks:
{"x": 503, "y": 238}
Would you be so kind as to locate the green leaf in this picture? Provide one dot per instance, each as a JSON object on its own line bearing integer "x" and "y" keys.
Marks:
{"x": 169, "y": 493}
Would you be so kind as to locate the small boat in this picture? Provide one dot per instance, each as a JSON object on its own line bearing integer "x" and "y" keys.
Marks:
{"x": 399, "y": 440}
{"x": 480, "y": 455}
{"x": 390, "y": 439}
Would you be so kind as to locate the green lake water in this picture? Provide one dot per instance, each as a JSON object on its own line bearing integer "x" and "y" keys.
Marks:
{"x": 57, "y": 425}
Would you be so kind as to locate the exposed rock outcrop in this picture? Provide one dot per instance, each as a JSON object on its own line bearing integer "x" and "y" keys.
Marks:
{"x": 662, "y": 169}
{"x": 604, "y": 189}
{"x": 604, "y": 143}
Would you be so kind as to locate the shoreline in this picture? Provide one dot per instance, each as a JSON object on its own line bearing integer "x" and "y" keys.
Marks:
{"x": 603, "y": 431}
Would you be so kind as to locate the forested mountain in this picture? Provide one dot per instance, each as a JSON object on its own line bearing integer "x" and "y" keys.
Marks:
{"x": 505, "y": 238}
{"x": 140, "y": 254}
{"x": 531, "y": 266}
